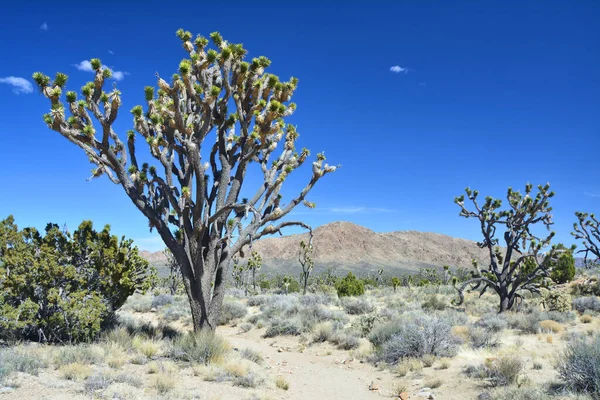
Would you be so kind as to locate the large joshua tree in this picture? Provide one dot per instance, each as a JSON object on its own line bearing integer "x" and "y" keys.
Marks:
{"x": 587, "y": 229}
{"x": 217, "y": 117}
{"x": 518, "y": 265}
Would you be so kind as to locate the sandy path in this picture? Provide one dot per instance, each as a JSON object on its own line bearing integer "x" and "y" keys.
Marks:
{"x": 313, "y": 373}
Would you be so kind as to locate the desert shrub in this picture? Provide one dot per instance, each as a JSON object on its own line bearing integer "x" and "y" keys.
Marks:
{"x": 17, "y": 360}
{"x": 561, "y": 317}
{"x": 62, "y": 287}
{"x": 579, "y": 365}
{"x": 434, "y": 302}
{"x": 322, "y": 332}
{"x": 199, "y": 347}
{"x": 251, "y": 355}
{"x": 312, "y": 299}
{"x": 231, "y": 310}
{"x": 78, "y": 354}
{"x": 357, "y": 306}
{"x": 175, "y": 311}
{"x": 557, "y": 300}
{"x": 518, "y": 393}
{"x": 414, "y": 336}
{"x": 138, "y": 303}
{"x": 350, "y": 286}
{"x": 526, "y": 323}
{"x": 483, "y": 337}
{"x": 365, "y": 323}
{"x": 259, "y": 300}
{"x": 493, "y": 322}
{"x": 162, "y": 300}
{"x": 586, "y": 303}
{"x": 97, "y": 382}
{"x": 283, "y": 326}
{"x": 502, "y": 371}
{"x": 250, "y": 380}
{"x": 345, "y": 340}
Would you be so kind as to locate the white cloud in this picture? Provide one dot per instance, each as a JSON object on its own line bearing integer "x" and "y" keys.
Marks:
{"x": 20, "y": 85}
{"x": 347, "y": 210}
{"x": 397, "y": 69}
{"x": 44, "y": 26}
{"x": 591, "y": 194}
{"x": 153, "y": 243}
{"x": 86, "y": 66}
{"x": 111, "y": 52}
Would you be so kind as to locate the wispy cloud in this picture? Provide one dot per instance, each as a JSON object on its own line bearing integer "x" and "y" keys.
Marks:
{"x": 591, "y": 194}
{"x": 86, "y": 66}
{"x": 112, "y": 53}
{"x": 152, "y": 243}
{"x": 19, "y": 85}
{"x": 44, "y": 26}
{"x": 398, "y": 69}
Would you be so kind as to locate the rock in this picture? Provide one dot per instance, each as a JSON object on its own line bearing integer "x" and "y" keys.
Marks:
{"x": 403, "y": 396}
{"x": 373, "y": 386}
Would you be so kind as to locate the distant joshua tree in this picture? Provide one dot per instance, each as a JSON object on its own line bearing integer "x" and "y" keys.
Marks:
{"x": 587, "y": 229}
{"x": 518, "y": 266}
{"x": 218, "y": 117}
{"x": 306, "y": 261}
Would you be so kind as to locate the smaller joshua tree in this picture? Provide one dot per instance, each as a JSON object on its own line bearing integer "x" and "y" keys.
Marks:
{"x": 254, "y": 264}
{"x": 587, "y": 229}
{"x": 306, "y": 261}
{"x": 395, "y": 282}
{"x": 519, "y": 265}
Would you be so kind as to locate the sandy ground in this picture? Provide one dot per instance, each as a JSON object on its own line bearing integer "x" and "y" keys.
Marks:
{"x": 314, "y": 372}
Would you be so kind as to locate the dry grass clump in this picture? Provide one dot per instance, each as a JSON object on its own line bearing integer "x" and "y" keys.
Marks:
{"x": 444, "y": 363}
{"x": 146, "y": 347}
{"x": 16, "y": 359}
{"x": 75, "y": 371}
{"x": 428, "y": 360}
{"x": 200, "y": 347}
{"x": 500, "y": 371}
{"x": 83, "y": 354}
{"x": 549, "y": 325}
{"x": 282, "y": 383}
{"x": 434, "y": 383}
{"x": 163, "y": 383}
{"x": 586, "y": 318}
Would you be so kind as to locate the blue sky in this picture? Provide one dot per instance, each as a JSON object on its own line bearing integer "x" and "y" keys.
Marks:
{"x": 415, "y": 99}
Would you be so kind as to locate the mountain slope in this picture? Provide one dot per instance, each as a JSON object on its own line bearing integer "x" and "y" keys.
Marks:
{"x": 351, "y": 247}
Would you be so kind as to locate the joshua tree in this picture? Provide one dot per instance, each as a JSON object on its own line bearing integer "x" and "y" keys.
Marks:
{"x": 306, "y": 261}
{"x": 587, "y": 228}
{"x": 395, "y": 282}
{"x": 218, "y": 117}
{"x": 254, "y": 264}
{"x": 519, "y": 265}
{"x": 174, "y": 279}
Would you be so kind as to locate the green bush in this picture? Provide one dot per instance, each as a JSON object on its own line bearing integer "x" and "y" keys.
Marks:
{"x": 350, "y": 286}
{"x": 563, "y": 269}
{"x": 62, "y": 287}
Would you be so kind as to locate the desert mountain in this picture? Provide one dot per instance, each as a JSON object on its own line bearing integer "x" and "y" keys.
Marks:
{"x": 352, "y": 247}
